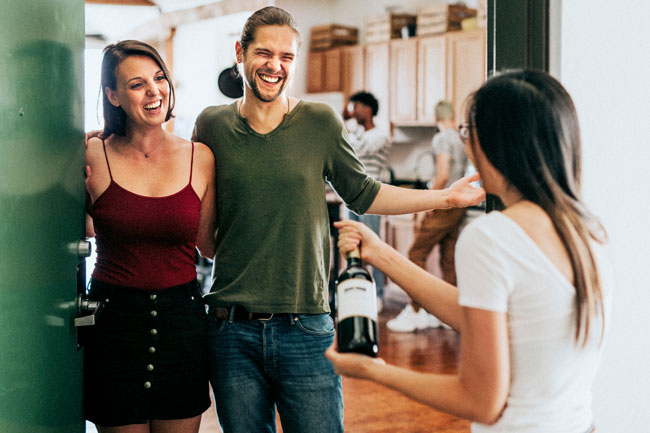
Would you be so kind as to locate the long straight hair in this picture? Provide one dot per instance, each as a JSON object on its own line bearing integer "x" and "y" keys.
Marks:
{"x": 527, "y": 127}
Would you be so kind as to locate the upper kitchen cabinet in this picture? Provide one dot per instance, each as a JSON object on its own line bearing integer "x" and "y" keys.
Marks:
{"x": 428, "y": 69}
{"x": 324, "y": 71}
{"x": 315, "y": 71}
{"x": 465, "y": 67}
{"x": 377, "y": 68}
{"x": 403, "y": 78}
{"x": 432, "y": 76}
{"x": 332, "y": 78}
{"x": 407, "y": 76}
{"x": 352, "y": 70}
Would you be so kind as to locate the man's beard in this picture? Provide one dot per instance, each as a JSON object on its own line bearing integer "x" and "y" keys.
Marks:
{"x": 256, "y": 91}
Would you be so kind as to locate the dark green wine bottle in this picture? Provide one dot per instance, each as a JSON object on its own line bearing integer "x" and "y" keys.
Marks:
{"x": 357, "y": 308}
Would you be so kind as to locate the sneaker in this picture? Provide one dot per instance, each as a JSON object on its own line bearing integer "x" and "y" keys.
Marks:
{"x": 443, "y": 325}
{"x": 408, "y": 320}
{"x": 434, "y": 322}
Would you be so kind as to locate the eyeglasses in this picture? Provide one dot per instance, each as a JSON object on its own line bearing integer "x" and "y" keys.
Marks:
{"x": 464, "y": 131}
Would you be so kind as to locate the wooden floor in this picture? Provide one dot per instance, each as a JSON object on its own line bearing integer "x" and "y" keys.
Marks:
{"x": 370, "y": 408}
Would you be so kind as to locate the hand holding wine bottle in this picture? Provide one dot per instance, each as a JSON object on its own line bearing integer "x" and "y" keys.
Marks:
{"x": 353, "y": 234}
{"x": 356, "y": 293}
{"x": 356, "y": 345}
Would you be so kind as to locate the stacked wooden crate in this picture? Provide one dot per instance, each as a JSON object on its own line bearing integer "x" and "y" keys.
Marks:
{"x": 382, "y": 28}
{"x": 332, "y": 35}
{"x": 442, "y": 17}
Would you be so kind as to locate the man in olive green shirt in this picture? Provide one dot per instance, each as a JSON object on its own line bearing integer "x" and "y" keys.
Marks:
{"x": 274, "y": 155}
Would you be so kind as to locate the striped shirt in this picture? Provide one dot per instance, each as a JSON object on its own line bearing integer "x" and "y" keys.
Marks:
{"x": 371, "y": 148}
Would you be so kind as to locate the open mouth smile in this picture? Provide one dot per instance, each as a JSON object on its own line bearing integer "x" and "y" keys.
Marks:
{"x": 269, "y": 78}
{"x": 153, "y": 105}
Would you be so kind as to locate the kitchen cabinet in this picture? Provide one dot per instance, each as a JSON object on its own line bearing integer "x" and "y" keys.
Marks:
{"x": 315, "y": 71}
{"x": 352, "y": 70}
{"x": 432, "y": 76}
{"x": 324, "y": 71}
{"x": 376, "y": 79}
{"x": 408, "y": 77}
{"x": 332, "y": 78}
{"x": 428, "y": 69}
{"x": 466, "y": 69}
{"x": 403, "y": 79}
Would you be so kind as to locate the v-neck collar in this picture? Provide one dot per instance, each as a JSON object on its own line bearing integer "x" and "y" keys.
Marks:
{"x": 244, "y": 121}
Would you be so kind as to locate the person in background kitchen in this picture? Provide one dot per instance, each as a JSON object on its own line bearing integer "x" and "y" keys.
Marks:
{"x": 269, "y": 321}
{"x": 534, "y": 280}
{"x": 150, "y": 203}
{"x": 371, "y": 145}
{"x": 440, "y": 226}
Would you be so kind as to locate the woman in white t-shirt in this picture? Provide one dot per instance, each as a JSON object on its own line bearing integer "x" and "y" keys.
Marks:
{"x": 534, "y": 280}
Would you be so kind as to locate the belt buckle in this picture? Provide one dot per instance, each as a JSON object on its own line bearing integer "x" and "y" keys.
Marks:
{"x": 265, "y": 319}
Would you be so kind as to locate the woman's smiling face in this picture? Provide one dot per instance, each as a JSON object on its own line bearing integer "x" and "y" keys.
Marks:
{"x": 142, "y": 90}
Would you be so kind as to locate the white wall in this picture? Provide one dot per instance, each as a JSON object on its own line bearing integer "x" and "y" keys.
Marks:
{"x": 605, "y": 65}
{"x": 309, "y": 13}
{"x": 201, "y": 51}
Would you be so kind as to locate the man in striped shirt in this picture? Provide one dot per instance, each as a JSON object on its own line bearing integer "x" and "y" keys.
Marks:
{"x": 371, "y": 145}
{"x": 369, "y": 142}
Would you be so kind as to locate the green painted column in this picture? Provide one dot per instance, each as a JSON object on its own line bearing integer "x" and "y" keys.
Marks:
{"x": 41, "y": 214}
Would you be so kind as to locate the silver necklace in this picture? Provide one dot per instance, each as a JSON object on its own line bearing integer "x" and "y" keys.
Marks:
{"x": 146, "y": 154}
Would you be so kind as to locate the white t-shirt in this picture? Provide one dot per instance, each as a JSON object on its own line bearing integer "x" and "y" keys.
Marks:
{"x": 500, "y": 268}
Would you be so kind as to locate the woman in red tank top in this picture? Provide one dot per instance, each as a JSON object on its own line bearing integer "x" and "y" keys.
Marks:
{"x": 150, "y": 205}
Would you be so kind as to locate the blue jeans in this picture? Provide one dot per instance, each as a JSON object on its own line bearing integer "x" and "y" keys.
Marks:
{"x": 373, "y": 222}
{"x": 258, "y": 364}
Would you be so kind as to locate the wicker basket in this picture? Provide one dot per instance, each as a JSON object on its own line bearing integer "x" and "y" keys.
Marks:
{"x": 441, "y": 18}
{"x": 332, "y": 35}
{"x": 383, "y": 28}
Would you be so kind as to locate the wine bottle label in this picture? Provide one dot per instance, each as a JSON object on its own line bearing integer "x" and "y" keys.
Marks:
{"x": 356, "y": 297}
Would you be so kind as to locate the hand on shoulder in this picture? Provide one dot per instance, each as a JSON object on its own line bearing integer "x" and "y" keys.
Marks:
{"x": 204, "y": 165}
{"x": 94, "y": 149}
{"x": 203, "y": 153}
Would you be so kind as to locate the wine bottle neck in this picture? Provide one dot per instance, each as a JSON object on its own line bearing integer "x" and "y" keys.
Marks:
{"x": 354, "y": 257}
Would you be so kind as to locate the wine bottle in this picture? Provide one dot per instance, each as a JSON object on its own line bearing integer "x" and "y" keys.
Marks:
{"x": 357, "y": 308}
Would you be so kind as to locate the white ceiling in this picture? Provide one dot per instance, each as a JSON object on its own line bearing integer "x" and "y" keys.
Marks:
{"x": 112, "y": 22}
{"x": 174, "y": 5}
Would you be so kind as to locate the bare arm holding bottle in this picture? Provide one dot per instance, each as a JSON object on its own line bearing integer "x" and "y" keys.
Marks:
{"x": 478, "y": 392}
{"x": 435, "y": 295}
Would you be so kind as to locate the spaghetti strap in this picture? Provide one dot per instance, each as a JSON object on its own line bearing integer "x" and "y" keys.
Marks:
{"x": 106, "y": 156}
{"x": 192, "y": 163}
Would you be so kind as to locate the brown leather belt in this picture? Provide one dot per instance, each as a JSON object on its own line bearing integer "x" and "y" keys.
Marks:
{"x": 240, "y": 313}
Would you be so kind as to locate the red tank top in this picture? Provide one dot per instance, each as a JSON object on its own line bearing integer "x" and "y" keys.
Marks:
{"x": 146, "y": 242}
